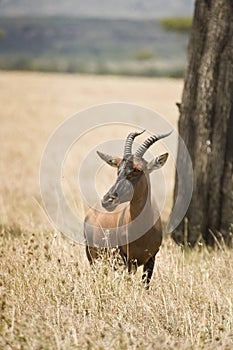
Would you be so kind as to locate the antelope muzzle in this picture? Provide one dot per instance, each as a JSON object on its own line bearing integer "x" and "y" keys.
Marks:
{"x": 121, "y": 192}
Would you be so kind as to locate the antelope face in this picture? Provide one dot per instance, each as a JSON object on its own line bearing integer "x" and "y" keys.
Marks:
{"x": 130, "y": 170}
{"x": 129, "y": 173}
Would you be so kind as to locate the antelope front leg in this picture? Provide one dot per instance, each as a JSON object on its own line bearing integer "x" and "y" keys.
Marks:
{"x": 147, "y": 271}
{"x": 132, "y": 266}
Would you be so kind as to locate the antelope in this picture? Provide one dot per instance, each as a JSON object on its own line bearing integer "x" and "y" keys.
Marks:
{"x": 135, "y": 229}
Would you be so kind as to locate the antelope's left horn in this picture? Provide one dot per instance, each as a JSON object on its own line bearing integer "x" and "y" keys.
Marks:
{"x": 146, "y": 144}
{"x": 129, "y": 142}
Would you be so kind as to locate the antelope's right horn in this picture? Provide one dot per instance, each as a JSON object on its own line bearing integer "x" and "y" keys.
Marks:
{"x": 148, "y": 142}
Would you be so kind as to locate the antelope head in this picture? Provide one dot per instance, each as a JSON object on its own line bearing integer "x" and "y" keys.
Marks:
{"x": 131, "y": 170}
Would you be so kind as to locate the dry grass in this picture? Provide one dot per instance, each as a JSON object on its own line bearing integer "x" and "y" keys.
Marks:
{"x": 50, "y": 298}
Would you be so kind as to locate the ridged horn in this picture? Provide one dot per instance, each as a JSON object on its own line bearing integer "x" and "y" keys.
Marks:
{"x": 129, "y": 142}
{"x": 148, "y": 142}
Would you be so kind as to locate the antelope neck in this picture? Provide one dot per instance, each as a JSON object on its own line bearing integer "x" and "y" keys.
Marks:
{"x": 141, "y": 197}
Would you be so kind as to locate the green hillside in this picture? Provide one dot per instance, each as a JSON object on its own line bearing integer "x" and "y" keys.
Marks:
{"x": 91, "y": 46}
{"x": 93, "y": 8}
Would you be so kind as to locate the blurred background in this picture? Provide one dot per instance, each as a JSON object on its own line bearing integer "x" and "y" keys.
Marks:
{"x": 59, "y": 57}
{"x": 126, "y": 37}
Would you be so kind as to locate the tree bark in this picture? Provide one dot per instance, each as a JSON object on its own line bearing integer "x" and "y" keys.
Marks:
{"x": 206, "y": 123}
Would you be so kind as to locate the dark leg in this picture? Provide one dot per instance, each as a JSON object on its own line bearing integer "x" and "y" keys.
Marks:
{"x": 132, "y": 266}
{"x": 89, "y": 257}
{"x": 147, "y": 271}
{"x": 123, "y": 256}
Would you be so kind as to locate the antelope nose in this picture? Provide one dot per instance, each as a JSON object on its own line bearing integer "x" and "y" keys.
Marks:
{"x": 107, "y": 202}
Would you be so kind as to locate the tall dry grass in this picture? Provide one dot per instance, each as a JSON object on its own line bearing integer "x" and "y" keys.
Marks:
{"x": 52, "y": 299}
{"x": 49, "y": 296}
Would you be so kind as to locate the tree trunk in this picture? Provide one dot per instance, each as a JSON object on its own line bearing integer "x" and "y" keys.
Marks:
{"x": 206, "y": 124}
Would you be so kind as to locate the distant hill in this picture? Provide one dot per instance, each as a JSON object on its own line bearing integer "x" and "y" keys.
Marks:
{"x": 92, "y": 45}
{"x": 94, "y": 8}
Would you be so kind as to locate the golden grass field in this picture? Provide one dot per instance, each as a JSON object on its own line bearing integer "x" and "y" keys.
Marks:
{"x": 50, "y": 298}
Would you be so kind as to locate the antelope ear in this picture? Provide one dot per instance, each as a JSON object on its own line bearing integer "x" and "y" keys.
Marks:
{"x": 157, "y": 163}
{"x": 113, "y": 161}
